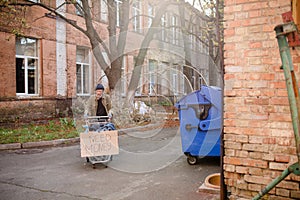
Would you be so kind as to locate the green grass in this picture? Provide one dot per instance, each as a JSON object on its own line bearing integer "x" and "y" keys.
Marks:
{"x": 55, "y": 129}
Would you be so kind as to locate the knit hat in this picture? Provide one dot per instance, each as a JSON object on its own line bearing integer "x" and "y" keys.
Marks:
{"x": 99, "y": 87}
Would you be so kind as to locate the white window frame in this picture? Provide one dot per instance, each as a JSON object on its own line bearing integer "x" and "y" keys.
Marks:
{"x": 103, "y": 11}
{"x": 200, "y": 42}
{"x": 137, "y": 24}
{"x": 79, "y": 12}
{"x": 174, "y": 24}
{"x": 82, "y": 78}
{"x": 193, "y": 39}
{"x": 83, "y": 65}
{"x": 26, "y": 68}
{"x": 118, "y": 4}
{"x": 163, "y": 28}
{"x": 151, "y": 14}
{"x": 138, "y": 91}
{"x": 175, "y": 83}
{"x": 183, "y": 81}
{"x": 152, "y": 77}
{"x": 123, "y": 77}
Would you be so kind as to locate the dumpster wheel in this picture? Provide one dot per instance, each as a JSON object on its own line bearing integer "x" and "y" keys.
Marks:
{"x": 192, "y": 160}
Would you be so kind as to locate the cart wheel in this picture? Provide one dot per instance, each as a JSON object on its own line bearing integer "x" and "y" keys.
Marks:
{"x": 94, "y": 166}
{"x": 192, "y": 160}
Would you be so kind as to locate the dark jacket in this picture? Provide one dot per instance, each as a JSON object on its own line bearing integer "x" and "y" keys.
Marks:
{"x": 92, "y": 103}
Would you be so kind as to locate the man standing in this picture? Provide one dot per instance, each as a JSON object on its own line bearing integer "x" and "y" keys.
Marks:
{"x": 98, "y": 104}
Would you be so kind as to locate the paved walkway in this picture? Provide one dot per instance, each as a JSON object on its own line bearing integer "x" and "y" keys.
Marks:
{"x": 60, "y": 173}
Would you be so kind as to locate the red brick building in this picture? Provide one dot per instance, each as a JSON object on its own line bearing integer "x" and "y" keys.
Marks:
{"x": 259, "y": 139}
{"x": 52, "y": 62}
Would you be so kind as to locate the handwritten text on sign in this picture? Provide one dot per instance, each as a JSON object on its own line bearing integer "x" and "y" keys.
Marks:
{"x": 99, "y": 144}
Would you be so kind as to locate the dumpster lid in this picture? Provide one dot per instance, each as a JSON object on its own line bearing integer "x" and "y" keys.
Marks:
{"x": 206, "y": 95}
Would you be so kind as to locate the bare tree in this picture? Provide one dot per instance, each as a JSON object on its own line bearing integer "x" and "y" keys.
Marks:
{"x": 214, "y": 10}
{"x": 114, "y": 49}
{"x": 116, "y": 45}
{"x": 13, "y": 17}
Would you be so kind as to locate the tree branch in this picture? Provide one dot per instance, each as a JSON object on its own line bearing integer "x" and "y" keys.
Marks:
{"x": 71, "y": 22}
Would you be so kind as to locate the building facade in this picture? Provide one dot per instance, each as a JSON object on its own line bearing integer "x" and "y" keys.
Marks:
{"x": 53, "y": 63}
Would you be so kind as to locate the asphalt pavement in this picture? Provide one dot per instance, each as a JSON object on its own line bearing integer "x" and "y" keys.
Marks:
{"x": 150, "y": 166}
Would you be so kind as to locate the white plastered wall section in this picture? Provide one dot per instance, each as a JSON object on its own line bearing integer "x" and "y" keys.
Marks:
{"x": 61, "y": 52}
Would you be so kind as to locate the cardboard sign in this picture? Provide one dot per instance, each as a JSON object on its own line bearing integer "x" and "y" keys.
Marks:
{"x": 99, "y": 144}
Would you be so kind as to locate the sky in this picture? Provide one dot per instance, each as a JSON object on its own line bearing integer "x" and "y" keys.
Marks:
{"x": 196, "y": 3}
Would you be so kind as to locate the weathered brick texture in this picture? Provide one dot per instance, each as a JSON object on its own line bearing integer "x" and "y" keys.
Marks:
{"x": 259, "y": 139}
{"x": 7, "y": 66}
{"x": 16, "y": 110}
{"x": 15, "y": 113}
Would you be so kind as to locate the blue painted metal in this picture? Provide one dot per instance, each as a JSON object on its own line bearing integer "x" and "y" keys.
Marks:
{"x": 200, "y": 122}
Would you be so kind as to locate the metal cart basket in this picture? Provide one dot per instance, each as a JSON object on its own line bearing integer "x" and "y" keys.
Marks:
{"x": 98, "y": 125}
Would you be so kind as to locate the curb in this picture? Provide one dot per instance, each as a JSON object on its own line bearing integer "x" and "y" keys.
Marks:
{"x": 11, "y": 146}
{"x": 27, "y": 145}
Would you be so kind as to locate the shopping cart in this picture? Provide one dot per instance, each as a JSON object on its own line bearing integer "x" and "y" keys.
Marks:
{"x": 98, "y": 124}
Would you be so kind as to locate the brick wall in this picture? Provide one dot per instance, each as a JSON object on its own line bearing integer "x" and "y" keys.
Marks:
{"x": 14, "y": 113}
{"x": 15, "y": 110}
{"x": 7, "y": 65}
{"x": 259, "y": 140}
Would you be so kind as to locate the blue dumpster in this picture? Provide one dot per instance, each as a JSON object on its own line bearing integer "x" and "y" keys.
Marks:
{"x": 200, "y": 123}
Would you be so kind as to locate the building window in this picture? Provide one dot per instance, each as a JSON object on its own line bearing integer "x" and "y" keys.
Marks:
{"x": 139, "y": 89}
{"x": 104, "y": 11}
{"x": 163, "y": 28}
{"x": 136, "y": 13}
{"x": 152, "y": 77}
{"x": 175, "y": 33}
{"x": 200, "y": 35}
{"x": 82, "y": 71}
{"x": 79, "y": 10}
{"x": 150, "y": 15}
{"x": 175, "y": 79}
{"x": 193, "y": 39}
{"x": 26, "y": 66}
{"x": 175, "y": 83}
{"x": 118, "y": 4}
{"x": 123, "y": 75}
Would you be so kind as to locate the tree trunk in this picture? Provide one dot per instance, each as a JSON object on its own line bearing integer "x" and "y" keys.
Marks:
{"x": 187, "y": 71}
{"x": 136, "y": 73}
